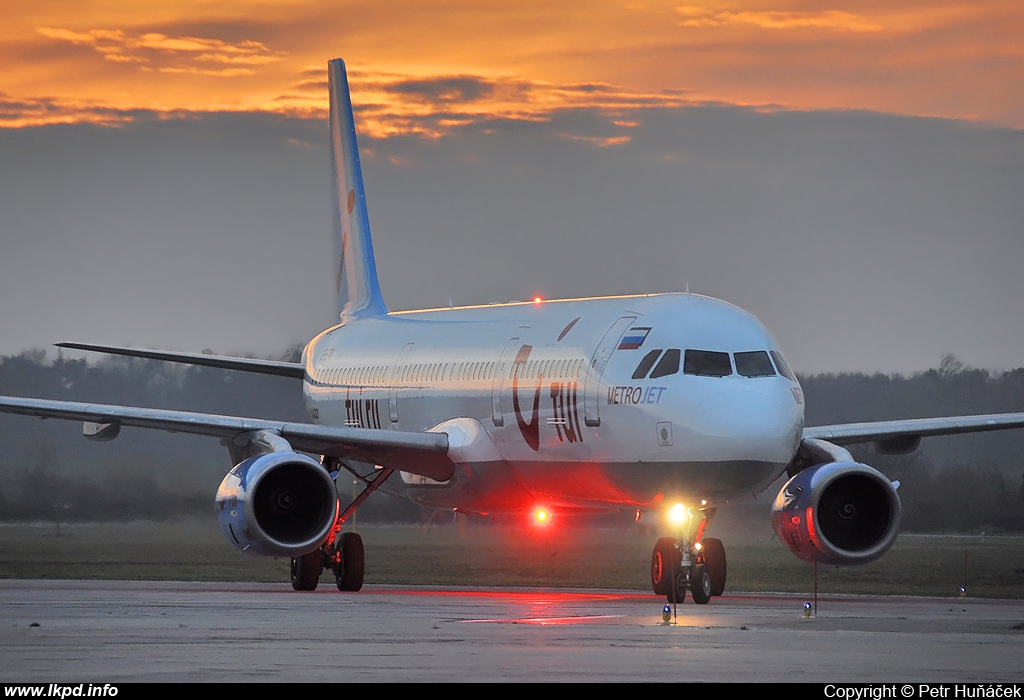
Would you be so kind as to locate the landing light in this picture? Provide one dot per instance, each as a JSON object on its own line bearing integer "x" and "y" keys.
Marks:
{"x": 541, "y": 516}
{"x": 678, "y": 514}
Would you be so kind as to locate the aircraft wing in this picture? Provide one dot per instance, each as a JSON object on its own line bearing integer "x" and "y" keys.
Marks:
{"x": 915, "y": 428}
{"x": 425, "y": 454}
{"x": 242, "y": 364}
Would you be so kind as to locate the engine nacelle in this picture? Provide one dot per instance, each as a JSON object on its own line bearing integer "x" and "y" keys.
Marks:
{"x": 281, "y": 504}
{"x": 837, "y": 513}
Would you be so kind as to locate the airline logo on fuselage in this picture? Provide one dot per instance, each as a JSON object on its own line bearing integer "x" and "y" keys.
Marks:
{"x": 565, "y": 411}
{"x": 564, "y": 406}
{"x": 360, "y": 412}
{"x": 635, "y": 395}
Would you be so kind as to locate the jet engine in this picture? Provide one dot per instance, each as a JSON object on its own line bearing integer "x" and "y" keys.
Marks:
{"x": 837, "y": 513}
{"x": 281, "y": 504}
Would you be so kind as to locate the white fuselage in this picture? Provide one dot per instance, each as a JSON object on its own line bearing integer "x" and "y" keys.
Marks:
{"x": 570, "y": 414}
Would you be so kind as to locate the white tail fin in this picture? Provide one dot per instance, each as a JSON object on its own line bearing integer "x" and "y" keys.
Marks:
{"x": 358, "y": 292}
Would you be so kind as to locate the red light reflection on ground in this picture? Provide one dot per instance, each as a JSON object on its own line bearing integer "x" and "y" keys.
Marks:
{"x": 543, "y": 607}
{"x": 577, "y": 620}
{"x": 518, "y": 596}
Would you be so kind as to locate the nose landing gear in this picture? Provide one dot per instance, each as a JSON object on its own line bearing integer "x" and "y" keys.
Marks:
{"x": 693, "y": 562}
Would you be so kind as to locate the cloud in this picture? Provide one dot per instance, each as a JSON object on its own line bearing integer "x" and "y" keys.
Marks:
{"x": 456, "y": 88}
{"x": 410, "y": 62}
{"x": 391, "y": 104}
{"x": 211, "y": 72}
{"x": 170, "y": 54}
{"x": 599, "y": 141}
{"x": 19, "y": 113}
{"x": 695, "y": 16}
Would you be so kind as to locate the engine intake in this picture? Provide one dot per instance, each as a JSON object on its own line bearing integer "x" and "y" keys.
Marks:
{"x": 837, "y": 513}
{"x": 282, "y": 504}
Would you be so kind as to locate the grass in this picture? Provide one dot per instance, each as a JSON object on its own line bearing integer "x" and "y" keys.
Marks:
{"x": 481, "y": 555}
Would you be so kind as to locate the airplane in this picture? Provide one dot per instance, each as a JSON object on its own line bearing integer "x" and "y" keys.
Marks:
{"x": 669, "y": 403}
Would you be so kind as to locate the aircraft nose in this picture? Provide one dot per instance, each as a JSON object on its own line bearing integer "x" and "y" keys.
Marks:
{"x": 744, "y": 425}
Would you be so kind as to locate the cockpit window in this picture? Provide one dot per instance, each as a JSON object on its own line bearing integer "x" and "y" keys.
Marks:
{"x": 784, "y": 369}
{"x": 706, "y": 363}
{"x": 645, "y": 364}
{"x": 754, "y": 364}
{"x": 669, "y": 364}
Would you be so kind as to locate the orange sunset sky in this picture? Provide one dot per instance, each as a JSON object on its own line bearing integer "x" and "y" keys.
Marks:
{"x": 68, "y": 61}
{"x": 849, "y": 171}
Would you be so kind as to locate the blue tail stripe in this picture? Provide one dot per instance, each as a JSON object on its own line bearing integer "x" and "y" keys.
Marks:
{"x": 358, "y": 293}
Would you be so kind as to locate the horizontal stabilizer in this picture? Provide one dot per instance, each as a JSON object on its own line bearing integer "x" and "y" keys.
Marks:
{"x": 242, "y": 364}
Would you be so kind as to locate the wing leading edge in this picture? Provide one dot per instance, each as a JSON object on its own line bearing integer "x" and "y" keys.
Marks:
{"x": 914, "y": 428}
{"x": 425, "y": 454}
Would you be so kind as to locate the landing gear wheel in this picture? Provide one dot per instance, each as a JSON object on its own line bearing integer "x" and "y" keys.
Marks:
{"x": 677, "y": 594}
{"x": 349, "y": 575}
{"x": 306, "y": 571}
{"x": 714, "y": 557}
{"x": 700, "y": 584}
{"x": 664, "y": 563}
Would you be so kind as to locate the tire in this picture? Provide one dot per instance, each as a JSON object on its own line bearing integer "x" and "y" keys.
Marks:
{"x": 700, "y": 584}
{"x": 306, "y": 571}
{"x": 353, "y": 562}
{"x": 664, "y": 561}
{"x": 677, "y": 595}
{"x": 714, "y": 557}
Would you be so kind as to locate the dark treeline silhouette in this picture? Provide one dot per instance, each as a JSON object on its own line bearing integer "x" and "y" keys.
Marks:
{"x": 967, "y": 483}
{"x": 49, "y": 472}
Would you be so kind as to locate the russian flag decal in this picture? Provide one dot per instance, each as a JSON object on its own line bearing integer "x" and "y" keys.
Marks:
{"x": 634, "y": 338}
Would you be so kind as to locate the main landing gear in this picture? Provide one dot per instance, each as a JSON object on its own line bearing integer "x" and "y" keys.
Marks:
{"x": 342, "y": 553}
{"x": 696, "y": 562}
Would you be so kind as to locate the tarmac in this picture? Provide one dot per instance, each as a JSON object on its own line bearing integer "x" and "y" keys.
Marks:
{"x": 138, "y": 631}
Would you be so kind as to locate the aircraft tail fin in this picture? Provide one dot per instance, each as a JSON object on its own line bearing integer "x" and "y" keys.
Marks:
{"x": 358, "y": 294}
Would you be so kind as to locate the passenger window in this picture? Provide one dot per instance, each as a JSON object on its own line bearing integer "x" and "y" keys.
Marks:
{"x": 754, "y": 364}
{"x": 784, "y": 369}
{"x": 645, "y": 364}
{"x": 705, "y": 363}
{"x": 669, "y": 364}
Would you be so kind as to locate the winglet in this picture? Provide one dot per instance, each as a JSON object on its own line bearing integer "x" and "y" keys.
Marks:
{"x": 358, "y": 294}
